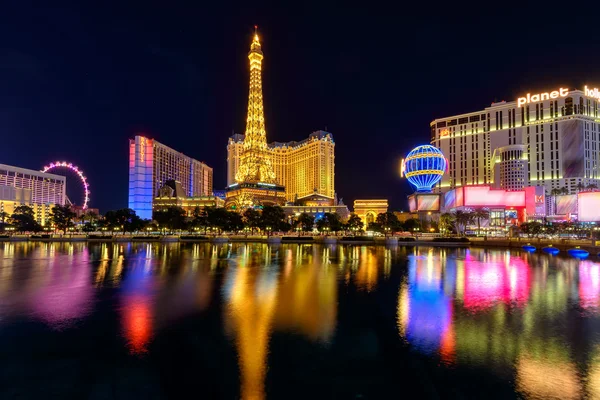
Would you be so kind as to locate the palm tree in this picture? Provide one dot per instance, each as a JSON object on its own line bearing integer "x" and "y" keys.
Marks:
{"x": 580, "y": 186}
{"x": 478, "y": 215}
{"x": 3, "y": 216}
{"x": 446, "y": 222}
{"x": 90, "y": 216}
{"x": 463, "y": 218}
{"x": 592, "y": 186}
{"x": 564, "y": 190}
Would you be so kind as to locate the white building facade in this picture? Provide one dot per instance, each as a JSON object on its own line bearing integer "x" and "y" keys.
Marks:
{"x": 25, "y": 187}
{"x": 549, "y": 139}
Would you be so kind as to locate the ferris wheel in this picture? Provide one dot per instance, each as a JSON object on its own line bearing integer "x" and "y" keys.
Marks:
{"x": 78, "y": 172}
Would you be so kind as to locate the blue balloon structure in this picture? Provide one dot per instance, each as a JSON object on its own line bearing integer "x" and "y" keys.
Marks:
{"x": 424, "y": 166}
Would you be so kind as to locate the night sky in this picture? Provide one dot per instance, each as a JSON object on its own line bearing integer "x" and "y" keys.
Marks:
{"x": 77, "y": 81}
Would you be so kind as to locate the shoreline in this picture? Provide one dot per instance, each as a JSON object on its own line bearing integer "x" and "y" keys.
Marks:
{"x": 561, "y": 244}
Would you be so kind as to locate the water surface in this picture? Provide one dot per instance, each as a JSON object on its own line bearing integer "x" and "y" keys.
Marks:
{"x": 257, "y": 321}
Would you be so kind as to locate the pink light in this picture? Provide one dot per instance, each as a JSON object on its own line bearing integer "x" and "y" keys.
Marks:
{"x": 588, "y": 206}
{"x": 65, "y": 292}
{"x": 495, "y": 281}
{"x": 484, "y": 196}
{"x": 79, "y": 173}
{"x": 589, "y": 285}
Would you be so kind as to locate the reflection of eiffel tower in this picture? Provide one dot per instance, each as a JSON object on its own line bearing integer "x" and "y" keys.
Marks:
{"x": 250, "y": 315}
{"x": 255, "y": 177}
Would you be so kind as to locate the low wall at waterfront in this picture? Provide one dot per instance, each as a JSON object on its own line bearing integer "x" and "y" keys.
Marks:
{"x": 592, "y": 246}
{"x": 515, "y": 243}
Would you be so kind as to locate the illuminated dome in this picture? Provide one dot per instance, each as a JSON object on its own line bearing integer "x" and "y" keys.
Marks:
{"x": 424, "y": 166}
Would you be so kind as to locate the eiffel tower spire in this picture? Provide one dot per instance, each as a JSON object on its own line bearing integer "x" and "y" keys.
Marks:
{"x": 255, "y": 161}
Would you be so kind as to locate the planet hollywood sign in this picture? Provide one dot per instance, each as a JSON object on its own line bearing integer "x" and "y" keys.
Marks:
{"x": 593, "y": 93}
{"x": 555, "y": 94}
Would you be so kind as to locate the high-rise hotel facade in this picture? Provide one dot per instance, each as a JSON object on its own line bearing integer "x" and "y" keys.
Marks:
{"x": 25, "y": 187}
{"x": 151, "y": 164}
{"x": 548, "y": 139}
{"x": 305, "y": 168}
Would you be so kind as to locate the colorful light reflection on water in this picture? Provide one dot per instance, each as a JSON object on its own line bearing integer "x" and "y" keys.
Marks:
{"x": 529, "y": 321}
{"x": 509, "y": 312}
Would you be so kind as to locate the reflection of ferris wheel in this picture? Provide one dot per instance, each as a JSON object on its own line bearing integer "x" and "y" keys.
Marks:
{"x": 75, "y": 169}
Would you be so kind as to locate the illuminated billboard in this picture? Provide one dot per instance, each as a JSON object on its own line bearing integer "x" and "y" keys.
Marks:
{"x": 450, "y": 199}
{"x": 453, "y": 198}
{"x": 535, "y": 200}
{"x": 588, "y": 206}
{"x": 566, "y": 204}
{"x": 511, "y": 214}
{"x": 428, "y": 202}
{"x": 572, "y": 148}
{"x": 460, "y": 197}
{"x": 412, "y": 203}
{"x": 484, "y": 196}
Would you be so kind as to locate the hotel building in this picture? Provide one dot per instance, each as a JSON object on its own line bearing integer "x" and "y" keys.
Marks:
{"x": 151, "y": 164}
{"x": 548, "y": 139}
{"x": 25, "y": 187}
{"x": 172, "y": 194}
{"x": 305, "y": 168}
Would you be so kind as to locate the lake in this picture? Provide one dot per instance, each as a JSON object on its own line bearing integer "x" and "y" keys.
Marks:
{"x": 254, "y": 321}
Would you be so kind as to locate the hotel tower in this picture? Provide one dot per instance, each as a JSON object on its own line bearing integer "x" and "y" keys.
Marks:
{"x": 152, "y": 164}
{"x": 548, "y": 139}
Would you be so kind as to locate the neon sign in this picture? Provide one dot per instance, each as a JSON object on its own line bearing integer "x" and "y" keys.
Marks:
{"x": 424, "y": 166}
{"x": 484, "y": 196}
{"x": 444, "y": 133}
{"x": 593, "y": 93}
{"x": 142, "y": 149}
{"x": 562, "y": 92}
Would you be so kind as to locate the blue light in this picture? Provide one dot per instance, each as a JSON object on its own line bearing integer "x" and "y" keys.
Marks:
{"x": 424, "y": 166}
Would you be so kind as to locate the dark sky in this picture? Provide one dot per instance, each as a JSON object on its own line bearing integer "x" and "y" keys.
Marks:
{"x": 77, "y": 80}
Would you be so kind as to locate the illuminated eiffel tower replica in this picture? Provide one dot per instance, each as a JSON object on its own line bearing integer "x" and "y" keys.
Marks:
{"x": 255, "y": 179}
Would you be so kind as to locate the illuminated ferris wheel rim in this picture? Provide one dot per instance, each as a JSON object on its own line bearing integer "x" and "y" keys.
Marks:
{"x": 74, "y": 168}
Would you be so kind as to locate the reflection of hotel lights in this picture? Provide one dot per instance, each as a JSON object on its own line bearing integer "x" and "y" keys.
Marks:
{"x": 541, "y": 379}
{"x": 424, "y": 311}
{"x": 487, "y": 283}
{"x": 589, "y": 284}
{"x": 137, "y": 321}
{"x": 65, "y": 292}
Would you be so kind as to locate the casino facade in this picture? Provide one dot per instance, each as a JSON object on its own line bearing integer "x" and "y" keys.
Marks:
{"x": 549, "y": 139}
